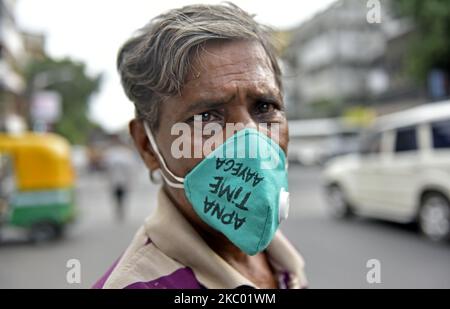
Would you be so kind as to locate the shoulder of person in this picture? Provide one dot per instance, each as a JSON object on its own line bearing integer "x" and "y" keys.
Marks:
{"x": 143, "y": 265}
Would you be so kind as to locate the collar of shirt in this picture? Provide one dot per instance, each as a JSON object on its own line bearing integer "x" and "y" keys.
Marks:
{"x": 169, "y": 230}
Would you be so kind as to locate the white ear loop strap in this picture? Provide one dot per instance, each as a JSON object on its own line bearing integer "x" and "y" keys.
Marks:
{"x": 172, "y": 184}
{"x": 161, "y": 159}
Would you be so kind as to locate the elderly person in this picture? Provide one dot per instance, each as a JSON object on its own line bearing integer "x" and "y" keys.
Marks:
{"x": 216, "y": 222}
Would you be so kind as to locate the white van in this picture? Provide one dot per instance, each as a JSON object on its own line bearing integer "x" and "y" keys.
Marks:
{"x": 401, "y": 172}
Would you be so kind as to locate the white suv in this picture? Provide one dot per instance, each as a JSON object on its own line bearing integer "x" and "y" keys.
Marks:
{"x": 401, "y": 173}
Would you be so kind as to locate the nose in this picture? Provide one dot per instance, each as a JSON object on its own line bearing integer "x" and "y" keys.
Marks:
{"x": 239, "y": 118}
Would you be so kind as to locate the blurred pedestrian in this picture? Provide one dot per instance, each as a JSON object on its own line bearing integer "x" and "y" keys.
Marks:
{"x": 118, "y": 159}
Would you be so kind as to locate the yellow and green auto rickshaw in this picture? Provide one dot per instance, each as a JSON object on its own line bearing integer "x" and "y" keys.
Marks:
{"x": 36, "y": 184}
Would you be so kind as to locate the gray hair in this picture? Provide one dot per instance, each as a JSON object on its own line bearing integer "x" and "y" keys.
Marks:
{"x": 154, "y": 63}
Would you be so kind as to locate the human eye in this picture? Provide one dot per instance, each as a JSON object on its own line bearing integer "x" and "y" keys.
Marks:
{"x": 206, "y": 117}
{"x": 267, "y": 108}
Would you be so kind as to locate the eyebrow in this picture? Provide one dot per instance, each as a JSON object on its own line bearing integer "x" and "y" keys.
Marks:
{"x": 207, "y": 104}
{"x": 270, "y": 97}
{"x": 267, "y": 97}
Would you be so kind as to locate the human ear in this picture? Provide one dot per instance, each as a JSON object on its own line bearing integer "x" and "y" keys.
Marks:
{"x": 137, "y": 132}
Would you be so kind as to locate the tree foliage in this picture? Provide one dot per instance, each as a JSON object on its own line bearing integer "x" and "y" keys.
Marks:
{"x": 70, "y": 79}
{"x": 430, "y": 47}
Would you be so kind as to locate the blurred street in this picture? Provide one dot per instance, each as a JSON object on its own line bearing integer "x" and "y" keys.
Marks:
{"x": 336, "y": 252}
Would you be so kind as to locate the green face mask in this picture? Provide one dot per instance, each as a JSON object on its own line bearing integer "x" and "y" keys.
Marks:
{"x": 240, "y": 189}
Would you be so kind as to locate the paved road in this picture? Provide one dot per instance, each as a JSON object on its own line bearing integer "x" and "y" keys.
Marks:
{"x": 336, "y": 252}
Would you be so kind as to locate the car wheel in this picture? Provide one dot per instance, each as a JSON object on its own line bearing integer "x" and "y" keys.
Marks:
{"x": 434, "y": 217}
{"x": 337, "y": 202}
{"x": 44, "y": 231}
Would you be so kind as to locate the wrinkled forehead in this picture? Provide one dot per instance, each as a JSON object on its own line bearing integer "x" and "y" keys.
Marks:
{"x": 220, "y": 61}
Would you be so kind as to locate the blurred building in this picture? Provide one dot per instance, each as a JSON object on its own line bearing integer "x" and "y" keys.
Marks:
{"x": 16, "y": 49}
{"x": 34, "y": 44}
{"x": 12, "y": 84}
{"x": 337, "y": 60}
{"x": 400, "y": 91}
